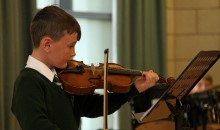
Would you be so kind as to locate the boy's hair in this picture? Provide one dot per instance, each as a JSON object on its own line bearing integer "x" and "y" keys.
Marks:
{"x": 52, "y": 21}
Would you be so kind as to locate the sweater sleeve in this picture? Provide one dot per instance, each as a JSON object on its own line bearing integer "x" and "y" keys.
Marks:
{"x": 92, "y": 105}
{"x": 28, "y": 105}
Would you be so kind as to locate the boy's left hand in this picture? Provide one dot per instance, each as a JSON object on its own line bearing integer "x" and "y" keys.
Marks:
{"x": 148, "y": 79}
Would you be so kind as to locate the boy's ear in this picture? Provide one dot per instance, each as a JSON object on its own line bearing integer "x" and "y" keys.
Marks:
{"x": 46, "y": 43}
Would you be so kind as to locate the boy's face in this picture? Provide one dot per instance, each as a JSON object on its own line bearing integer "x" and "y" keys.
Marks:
{"x": 62, "y": 50}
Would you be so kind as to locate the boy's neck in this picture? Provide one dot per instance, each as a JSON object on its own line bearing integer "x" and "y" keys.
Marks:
{"x": 37, "y": 54}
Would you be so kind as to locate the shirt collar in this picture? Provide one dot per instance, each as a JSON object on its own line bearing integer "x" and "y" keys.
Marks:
{"x": 40, "y": 67}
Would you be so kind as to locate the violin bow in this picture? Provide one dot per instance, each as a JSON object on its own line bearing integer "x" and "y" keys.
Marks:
{"x": 105, "y": 104}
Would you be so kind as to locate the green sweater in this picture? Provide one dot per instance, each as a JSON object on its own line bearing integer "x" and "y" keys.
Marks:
{"x": 40, "y": 104}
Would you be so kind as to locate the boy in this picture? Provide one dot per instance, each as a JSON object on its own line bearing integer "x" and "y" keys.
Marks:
{"x": 40, "y": 104}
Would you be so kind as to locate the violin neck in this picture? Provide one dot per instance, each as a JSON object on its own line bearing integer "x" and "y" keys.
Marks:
{"x": 124, "y": 72}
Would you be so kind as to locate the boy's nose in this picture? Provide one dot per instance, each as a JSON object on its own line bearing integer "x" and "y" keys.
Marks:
{"x": 72, "y": 54}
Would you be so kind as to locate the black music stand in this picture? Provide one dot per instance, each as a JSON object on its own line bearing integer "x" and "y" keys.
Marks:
{"x": 169, "y": 104}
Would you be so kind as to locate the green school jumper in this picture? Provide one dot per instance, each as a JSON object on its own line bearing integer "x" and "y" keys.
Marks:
{"x": 40, "y": 104}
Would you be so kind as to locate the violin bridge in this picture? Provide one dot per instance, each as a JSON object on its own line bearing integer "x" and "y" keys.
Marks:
{"x": 93, "y": 69}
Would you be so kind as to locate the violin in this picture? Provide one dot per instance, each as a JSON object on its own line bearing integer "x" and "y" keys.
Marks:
{"x": 81, "y": 79}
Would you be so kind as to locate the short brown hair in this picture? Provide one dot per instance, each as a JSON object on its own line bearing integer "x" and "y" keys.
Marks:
{"x": 54, "y": 22}
{"x": 209, "y": 78}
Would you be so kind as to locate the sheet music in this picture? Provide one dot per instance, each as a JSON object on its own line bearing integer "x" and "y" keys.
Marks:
{"x": 191, "y": 75}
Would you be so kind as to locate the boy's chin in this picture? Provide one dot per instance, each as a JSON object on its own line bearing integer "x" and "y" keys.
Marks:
{"x": 63, "y": 66}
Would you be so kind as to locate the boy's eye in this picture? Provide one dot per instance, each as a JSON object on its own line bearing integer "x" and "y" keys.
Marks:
{"x": 70, "y": 46}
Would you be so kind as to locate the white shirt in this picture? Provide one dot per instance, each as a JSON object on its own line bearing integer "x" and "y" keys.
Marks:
{"x": 40, "y": 67}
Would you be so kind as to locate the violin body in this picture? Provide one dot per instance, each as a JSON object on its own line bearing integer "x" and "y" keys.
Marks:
{"x": 81, "y": 79}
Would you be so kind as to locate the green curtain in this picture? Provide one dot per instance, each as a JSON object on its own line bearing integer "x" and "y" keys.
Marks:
{"x": 15, "y": 46}
{"x": 140, "y": 39}
{"x": 141, "y": 34}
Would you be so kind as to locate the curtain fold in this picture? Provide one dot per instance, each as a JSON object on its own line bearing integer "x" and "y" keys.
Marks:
{"x": 141, "y": 34}
{"x": 140, "y": 39}
{"x": 15, "y": 46}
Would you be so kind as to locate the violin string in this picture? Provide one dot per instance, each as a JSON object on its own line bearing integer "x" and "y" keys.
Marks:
{"x": 123, "y": 71}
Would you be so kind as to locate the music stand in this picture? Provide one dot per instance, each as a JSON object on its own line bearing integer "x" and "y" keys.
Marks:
{"x": 169, "y": 104}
